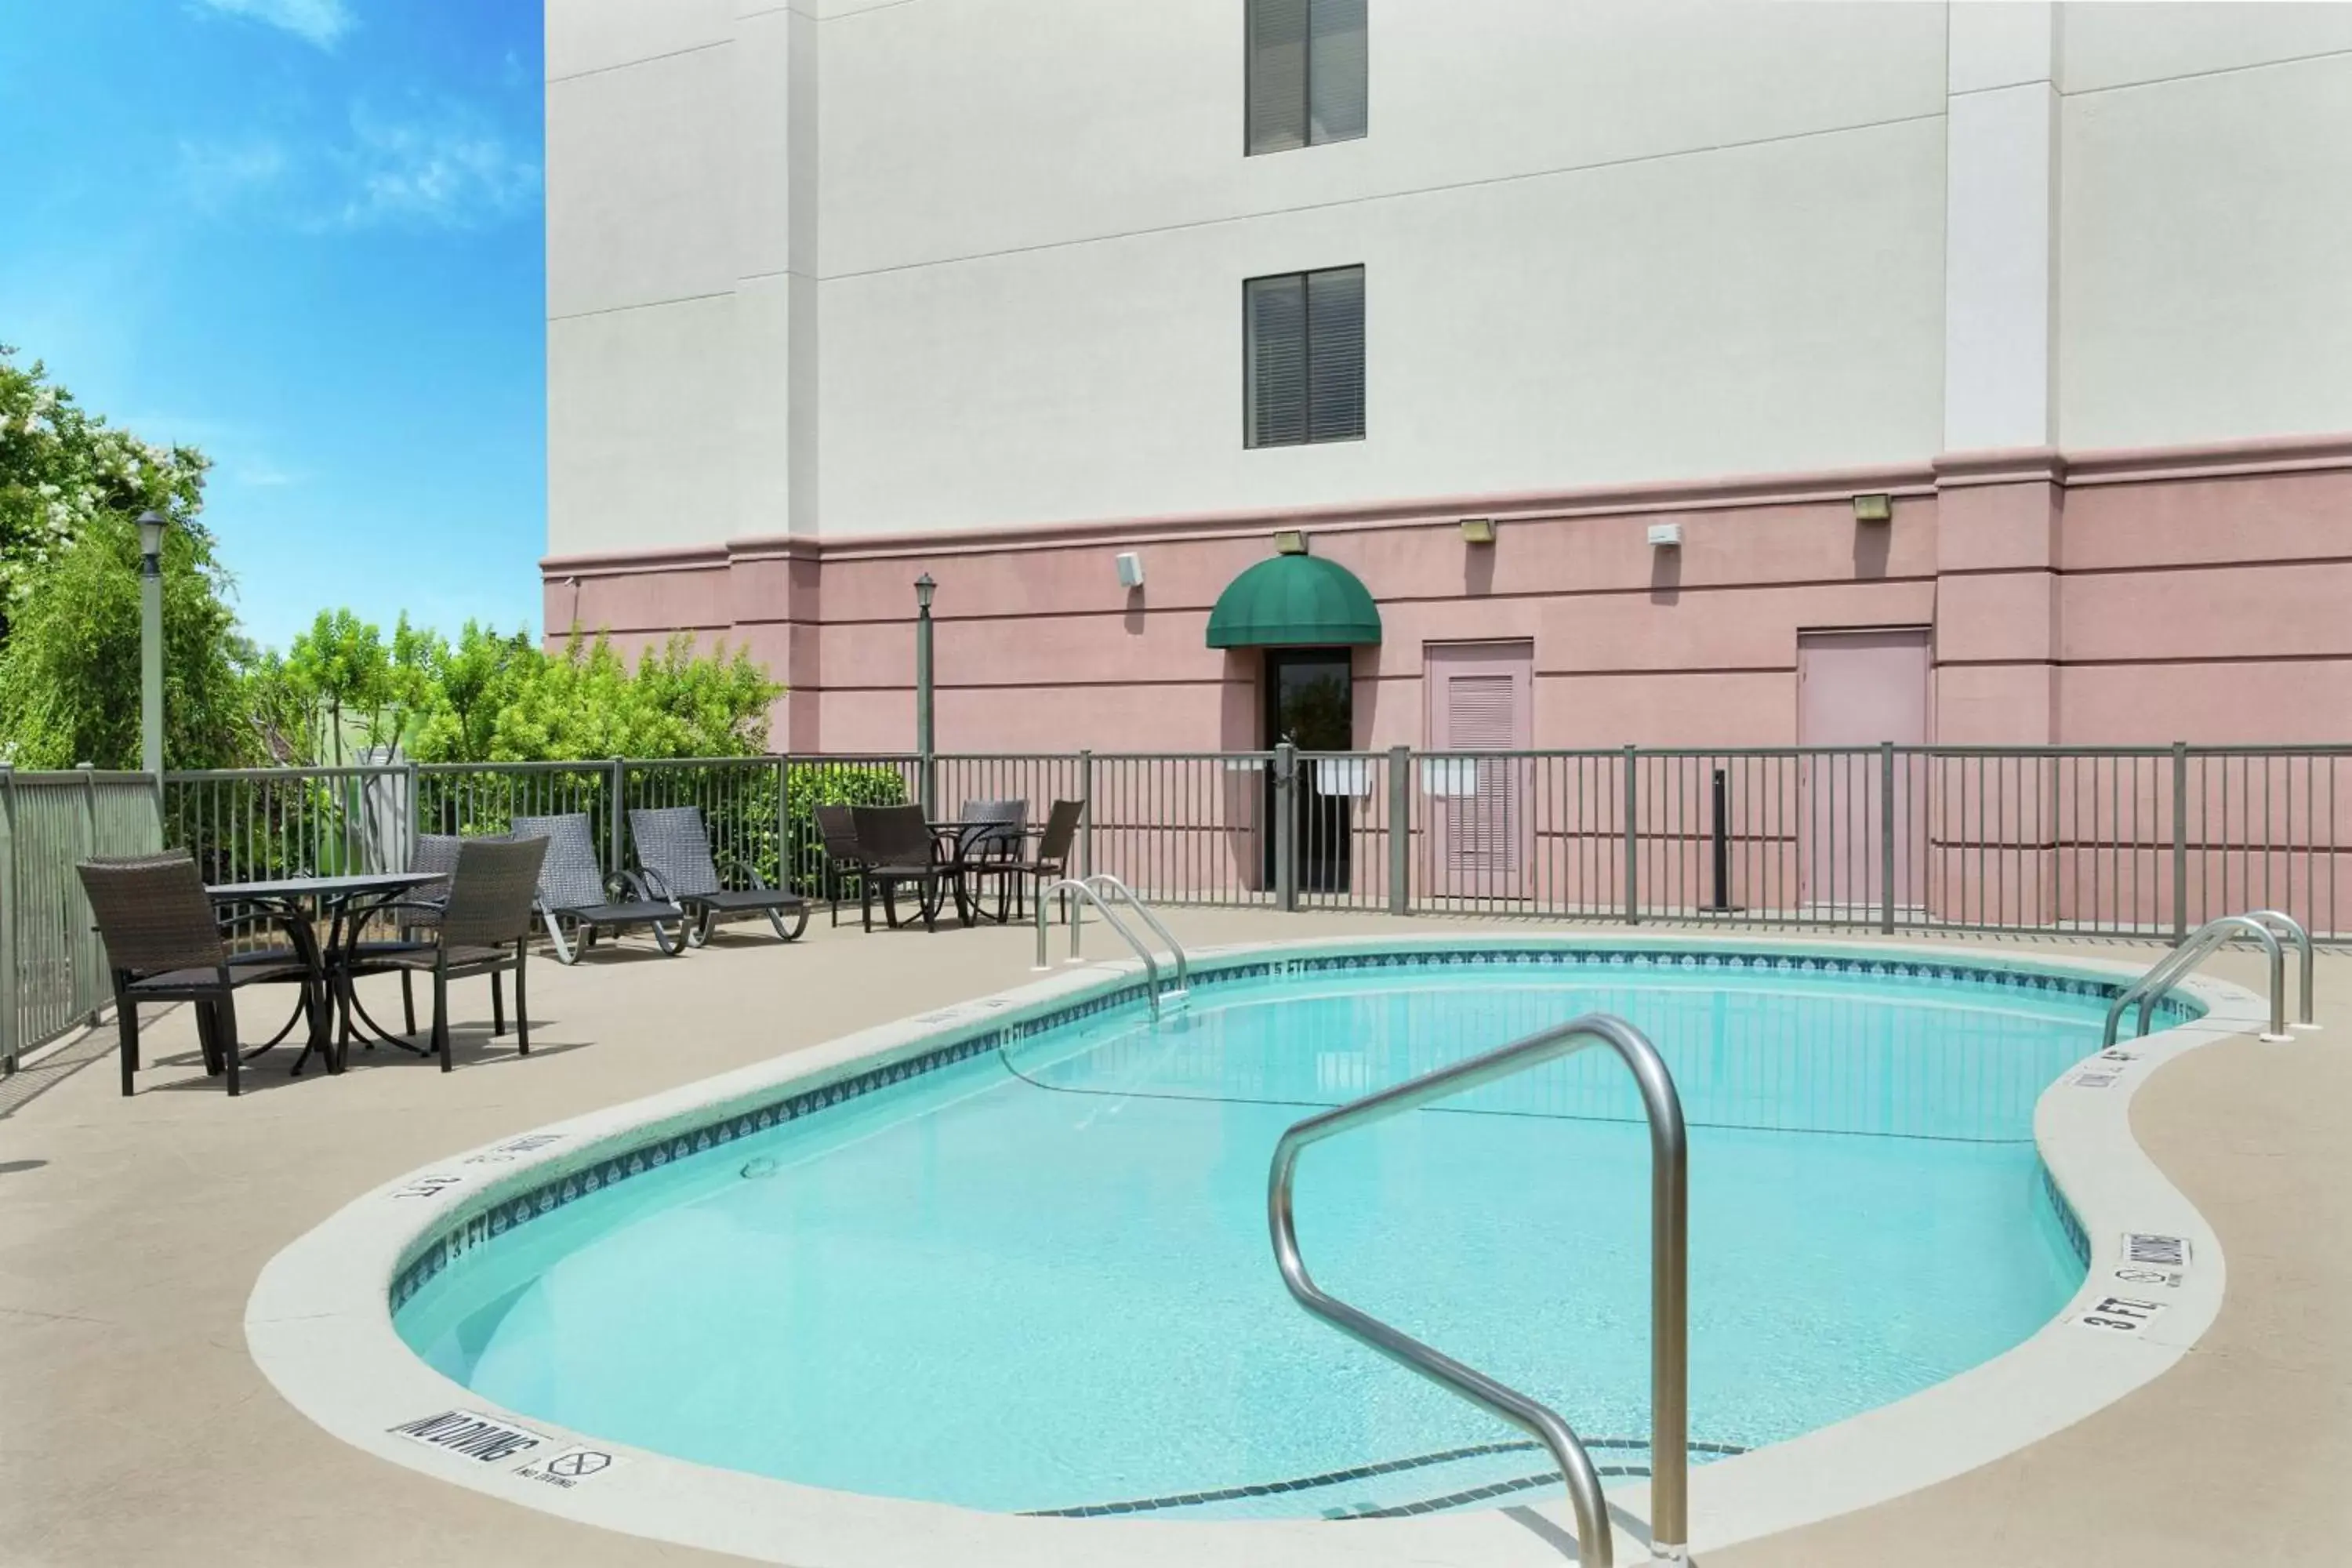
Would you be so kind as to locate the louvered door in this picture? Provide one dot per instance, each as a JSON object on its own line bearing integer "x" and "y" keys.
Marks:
{"x": 1480, "y": 701}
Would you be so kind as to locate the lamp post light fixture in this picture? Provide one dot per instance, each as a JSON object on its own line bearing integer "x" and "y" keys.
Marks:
{"x": 924, "y": 589}
{"x": 151, "y": 642}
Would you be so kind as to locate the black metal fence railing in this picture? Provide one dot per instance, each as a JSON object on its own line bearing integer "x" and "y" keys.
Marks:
{"x": 2145, "y": 841}
{"x": 2095, "y": 841}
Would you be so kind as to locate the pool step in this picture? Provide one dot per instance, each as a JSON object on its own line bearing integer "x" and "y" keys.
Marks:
{"x": 1473, "y": 1476}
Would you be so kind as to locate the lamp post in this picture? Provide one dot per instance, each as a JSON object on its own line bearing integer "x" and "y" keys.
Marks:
{"x": 151, "y": 642}
{"x": 924, "y": 589}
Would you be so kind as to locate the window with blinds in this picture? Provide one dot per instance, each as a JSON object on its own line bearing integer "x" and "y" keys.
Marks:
{"x": 1304, "y": 345}
{"x": 1307, "y": 69}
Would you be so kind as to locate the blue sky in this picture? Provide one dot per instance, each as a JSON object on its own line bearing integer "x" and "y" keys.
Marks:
{"x": 306, "y": 237}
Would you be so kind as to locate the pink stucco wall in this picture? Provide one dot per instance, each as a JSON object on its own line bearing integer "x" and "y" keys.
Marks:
{"x": 2099, "y": 598}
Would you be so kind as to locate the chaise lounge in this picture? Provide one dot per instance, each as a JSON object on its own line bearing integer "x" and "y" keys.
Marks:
{"x": 574, "y": 891}
{"x": 675, "y": 862}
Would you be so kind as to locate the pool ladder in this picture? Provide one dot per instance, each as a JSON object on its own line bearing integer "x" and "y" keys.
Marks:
{"x": 1091, "y": 890}
{"x": 2265, "y": 926}
{"x": 1669, "y": 1277}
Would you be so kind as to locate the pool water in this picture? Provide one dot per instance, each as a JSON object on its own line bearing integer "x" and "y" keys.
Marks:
{"x": 1039, "y": 1279}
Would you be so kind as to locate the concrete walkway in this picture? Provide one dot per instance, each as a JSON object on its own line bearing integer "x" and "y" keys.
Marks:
{"x": 135, "y": 1430}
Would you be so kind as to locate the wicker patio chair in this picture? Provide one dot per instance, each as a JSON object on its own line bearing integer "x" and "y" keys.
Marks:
{"x": 837, "y": 827}
{"x": 420, "y": 910}
{"x": 993, "y": 831}
{"x": 896, "y": 845}
{"x": 163, "y": 943}
{"x": 1050, "y": 860}
{"x": 415, "y": 918}
{"x": 573, "y": 888}
{"x": 675, "y": 862}
{"x": 483, "y": 927}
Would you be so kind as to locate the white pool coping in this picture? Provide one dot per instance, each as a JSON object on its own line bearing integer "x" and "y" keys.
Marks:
{"x": 320, "y": 1326}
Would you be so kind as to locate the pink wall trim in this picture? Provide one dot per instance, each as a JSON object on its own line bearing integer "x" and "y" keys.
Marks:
{"x": 2094, "y": 597}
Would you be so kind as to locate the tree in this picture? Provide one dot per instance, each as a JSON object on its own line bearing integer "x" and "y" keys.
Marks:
{"x": 341, "y": 662}
{"x": 501, "y": 700}
{"x": 62, "y": 469}
{"x": 457, "y": 720}
{"x": 70, "y": 670}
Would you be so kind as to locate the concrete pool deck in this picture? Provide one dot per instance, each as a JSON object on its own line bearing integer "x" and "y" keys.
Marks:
{"x": 135, "y": 1428}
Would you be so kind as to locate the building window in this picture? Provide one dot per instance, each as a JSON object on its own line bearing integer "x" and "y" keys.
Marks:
{"x": 1304, "y": 336}
{"x": 1307, "y": 73}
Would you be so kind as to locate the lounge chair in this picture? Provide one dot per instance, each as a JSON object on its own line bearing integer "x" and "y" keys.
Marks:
{"x": 674, "y": 862}
{"x": 164, "y": 943}
{"x": 574, "y": 889}
{"x": 1050, "y": 860}
{"x": 483, "y": 927}
{"x": 896, "y": 845}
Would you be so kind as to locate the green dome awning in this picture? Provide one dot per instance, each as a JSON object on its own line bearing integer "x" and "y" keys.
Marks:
{"x": 1295, "y": 601}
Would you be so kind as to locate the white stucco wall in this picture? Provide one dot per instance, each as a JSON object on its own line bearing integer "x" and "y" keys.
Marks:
{"x": 1600, "y": 243}
{"x": 1753, "y": 309}
{"x": 2206, "y": 246}
{"x": 865, "y": 266}
{"x": 681, "y": 303}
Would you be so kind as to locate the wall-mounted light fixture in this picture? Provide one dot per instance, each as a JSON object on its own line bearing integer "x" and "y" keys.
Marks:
{"x": 1289, "y": 542}
{"x": 1130, "y": 569}
{"x": 1665, "y": 536}
{"x": 1477, "y": 530}
{"x": 1874, "y": 509}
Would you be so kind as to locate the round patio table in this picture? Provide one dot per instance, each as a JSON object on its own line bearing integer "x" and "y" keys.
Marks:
{"x": 344, "y": 903}
{"x": 960, "y": 840}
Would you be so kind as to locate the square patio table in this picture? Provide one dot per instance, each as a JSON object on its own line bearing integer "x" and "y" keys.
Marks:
{"x": 345, "y": 900}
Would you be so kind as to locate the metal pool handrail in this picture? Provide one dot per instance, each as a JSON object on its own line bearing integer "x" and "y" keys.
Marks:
{"x": 1669, "y": 1277}
{"x": 2285, "y": 924}
{"x": 1183, "y": 964}
{"x": 2216, "y": 932}
{"x": 1072, "y": 885}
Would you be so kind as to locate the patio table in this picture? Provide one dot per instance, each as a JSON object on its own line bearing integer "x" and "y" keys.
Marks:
{"x": 960, "y": 839}
{"x": 345, "y": 903}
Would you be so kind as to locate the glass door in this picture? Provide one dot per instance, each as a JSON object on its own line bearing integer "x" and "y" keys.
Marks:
{"x": 1309, "y": 697}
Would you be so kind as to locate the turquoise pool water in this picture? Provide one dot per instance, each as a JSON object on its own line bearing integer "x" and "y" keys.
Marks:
{"x": 1039, "y": 1278}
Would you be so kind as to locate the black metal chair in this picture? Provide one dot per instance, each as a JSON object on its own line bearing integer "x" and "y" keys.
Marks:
{"x": 675, "y": 862}
{"x": 483, "y": 927}
{"x": 164, "y": 943}
{"x": 896, "y": 846}
{"x": 1051, "y": 859}
{"x": 573, "y": 888}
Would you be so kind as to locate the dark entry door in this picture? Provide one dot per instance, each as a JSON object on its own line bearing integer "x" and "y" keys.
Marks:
{"x": 1309, "y": 697}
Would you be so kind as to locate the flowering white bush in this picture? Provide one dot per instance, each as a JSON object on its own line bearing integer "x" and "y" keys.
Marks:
{"x": 60, "y": 468}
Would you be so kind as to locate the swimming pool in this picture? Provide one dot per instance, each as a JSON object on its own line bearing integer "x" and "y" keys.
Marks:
{"x": 1027, "y": 1269}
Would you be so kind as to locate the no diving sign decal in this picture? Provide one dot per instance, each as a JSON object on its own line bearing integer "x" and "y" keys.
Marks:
{"x": 568, "y": 1468}
{"x": 471, "y": 1435}
{"x": 490, "y": 1440}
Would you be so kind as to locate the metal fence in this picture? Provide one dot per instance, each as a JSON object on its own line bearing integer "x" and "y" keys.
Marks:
{"x": 2116, "y": 841}
{"x": 2103, "y": 841}
{"x": 51, "y": 964}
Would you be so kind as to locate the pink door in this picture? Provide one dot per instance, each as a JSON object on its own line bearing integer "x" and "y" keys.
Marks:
{"x": 1481, "y": 698}
{"x": 1859, "y": 689}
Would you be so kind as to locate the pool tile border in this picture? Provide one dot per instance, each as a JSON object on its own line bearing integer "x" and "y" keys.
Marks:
{"x": 462, "y": 1238}
{"x": 318, "y": 1327}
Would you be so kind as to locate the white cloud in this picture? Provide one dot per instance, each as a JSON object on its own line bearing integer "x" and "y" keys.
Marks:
{"x": 449, "y": 171}
{"x": 319, "y": 22}
{"x": 213, "y": 174}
